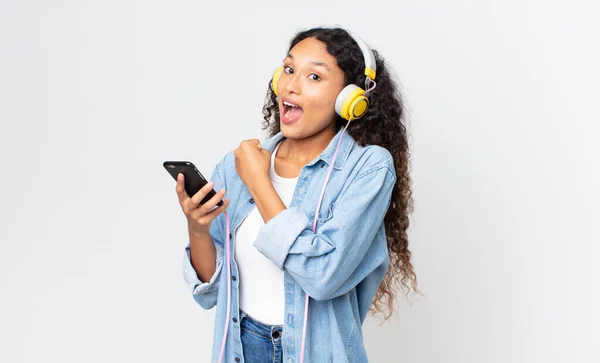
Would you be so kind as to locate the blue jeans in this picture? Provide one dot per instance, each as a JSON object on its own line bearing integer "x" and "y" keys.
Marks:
{"x": 261, "y": 343}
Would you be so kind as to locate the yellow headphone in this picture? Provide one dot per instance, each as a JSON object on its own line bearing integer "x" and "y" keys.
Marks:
{"x": 351, "y": 103}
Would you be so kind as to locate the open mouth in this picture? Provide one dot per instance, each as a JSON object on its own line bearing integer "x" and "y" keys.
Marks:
{"x": 291, "y": 112}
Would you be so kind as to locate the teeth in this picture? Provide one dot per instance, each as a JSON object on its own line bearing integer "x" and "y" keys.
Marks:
{"x": 289, "y": 104}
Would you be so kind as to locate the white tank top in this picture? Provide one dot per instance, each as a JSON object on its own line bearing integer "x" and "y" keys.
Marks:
{"x": 261, "y": 282}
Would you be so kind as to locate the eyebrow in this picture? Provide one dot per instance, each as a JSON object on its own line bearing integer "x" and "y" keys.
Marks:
{"x": 314, "y": 63}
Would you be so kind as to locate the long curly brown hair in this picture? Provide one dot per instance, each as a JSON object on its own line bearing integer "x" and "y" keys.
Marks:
{"x": 383, "y": 125}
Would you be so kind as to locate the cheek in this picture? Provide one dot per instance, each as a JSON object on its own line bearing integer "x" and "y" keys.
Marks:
{"x": 323, "y": 103}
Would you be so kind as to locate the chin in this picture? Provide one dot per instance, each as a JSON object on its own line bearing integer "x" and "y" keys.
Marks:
{"x": 290, "y": 133}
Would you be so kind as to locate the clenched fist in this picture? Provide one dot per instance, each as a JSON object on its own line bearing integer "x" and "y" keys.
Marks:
{"x": 252, "y": 163}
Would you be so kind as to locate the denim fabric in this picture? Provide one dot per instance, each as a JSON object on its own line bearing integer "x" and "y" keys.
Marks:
{"x": 340, "y": 266}
{"x": 261, "y": 342}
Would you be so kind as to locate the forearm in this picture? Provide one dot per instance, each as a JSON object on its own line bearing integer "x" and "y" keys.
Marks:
{"x": 267, "y": 200}
{"x": 203, "y": 255}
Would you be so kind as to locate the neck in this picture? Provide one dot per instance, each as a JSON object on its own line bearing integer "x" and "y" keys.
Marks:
{"x": 303, "y": 151}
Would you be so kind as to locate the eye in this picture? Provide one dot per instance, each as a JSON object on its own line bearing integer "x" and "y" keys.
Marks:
{"x": 315, "y": 78}
{"x": 288, "y": 70}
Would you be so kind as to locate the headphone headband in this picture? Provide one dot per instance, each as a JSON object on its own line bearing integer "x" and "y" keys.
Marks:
{"x": 370, "y": 65}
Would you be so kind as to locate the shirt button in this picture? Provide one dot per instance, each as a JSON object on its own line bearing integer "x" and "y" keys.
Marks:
{"x": 322, "y": 165}
{"x": 233, "y": 278}
{"x": 251, "y": 200}
{"x": 235, "y": 320}
{"x": 237, "y": 359}
{"x": 230, "y": 236}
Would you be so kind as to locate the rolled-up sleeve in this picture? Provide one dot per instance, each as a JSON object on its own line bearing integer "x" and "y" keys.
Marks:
{"x": 282, "y": 228}
{"x": 205, "y": 293}
{"x": 341, "y": 253}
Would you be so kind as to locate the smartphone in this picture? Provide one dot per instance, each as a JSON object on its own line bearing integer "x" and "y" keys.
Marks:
{"x": 194, "y": 180}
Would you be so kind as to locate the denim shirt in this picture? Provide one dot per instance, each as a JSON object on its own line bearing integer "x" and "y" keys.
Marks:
{"x": 340, "y": 266}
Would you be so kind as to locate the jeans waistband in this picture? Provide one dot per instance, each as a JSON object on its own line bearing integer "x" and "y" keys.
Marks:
{"x": 259, "y": 328}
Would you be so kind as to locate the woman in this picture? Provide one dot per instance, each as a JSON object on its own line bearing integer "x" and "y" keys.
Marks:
{"x": 349, "y": 258}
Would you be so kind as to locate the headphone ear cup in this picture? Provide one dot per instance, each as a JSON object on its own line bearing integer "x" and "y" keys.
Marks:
{"x": 351, "y": 102}
{"x": 275, "y": 80}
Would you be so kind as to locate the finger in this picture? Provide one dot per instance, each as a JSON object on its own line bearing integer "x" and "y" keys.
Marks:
{"x": 256, "y": 142}
{"x": 200, "y": 194}
{"x": 210, "y": 204}
{"x": 180, "y": 188}
{"x": 215, "y": 212}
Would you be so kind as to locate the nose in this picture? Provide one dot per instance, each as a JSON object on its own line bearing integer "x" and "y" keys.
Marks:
{"x": 292, "y": 83}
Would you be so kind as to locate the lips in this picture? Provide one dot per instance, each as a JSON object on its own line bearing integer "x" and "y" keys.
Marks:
{"x": 292, "y": 112}
{"x": 287, "y": 105}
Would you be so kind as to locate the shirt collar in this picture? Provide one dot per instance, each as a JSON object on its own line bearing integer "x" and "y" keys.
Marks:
{"x": 327, "y": 154}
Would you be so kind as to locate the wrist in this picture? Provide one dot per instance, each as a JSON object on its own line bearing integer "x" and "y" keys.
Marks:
{"x": 261, "y": 183}
{"x": 196, "y": 234}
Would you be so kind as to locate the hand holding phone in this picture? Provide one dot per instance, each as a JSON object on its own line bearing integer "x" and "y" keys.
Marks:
{"x": 194, "y": 180}
{"x": 196, "y": 196}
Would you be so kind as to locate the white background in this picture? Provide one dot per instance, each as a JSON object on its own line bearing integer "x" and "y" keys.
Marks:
{"x": 95, "y": 95}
